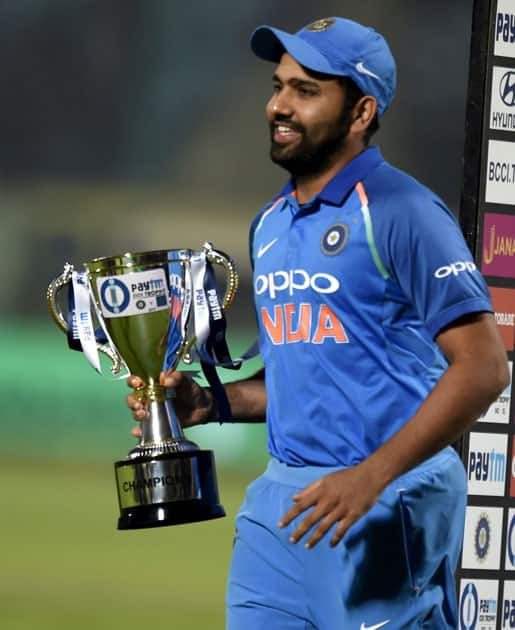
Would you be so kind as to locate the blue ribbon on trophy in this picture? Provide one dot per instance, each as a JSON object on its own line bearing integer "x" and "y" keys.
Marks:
{"x": 211, "y": 347}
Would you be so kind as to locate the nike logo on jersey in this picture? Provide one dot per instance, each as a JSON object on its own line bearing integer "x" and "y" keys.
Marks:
{"x": 378, "y": 625}
{"x": 264, "y": 248}
{"x": 360, "y": 67}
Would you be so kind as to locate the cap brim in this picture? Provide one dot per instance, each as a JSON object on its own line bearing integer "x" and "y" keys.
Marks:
{"x": 271, "y": 43}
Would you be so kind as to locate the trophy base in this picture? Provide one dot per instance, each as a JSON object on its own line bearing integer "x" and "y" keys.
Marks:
{"x": 169, "y": 514}
{"x": 167, "y": 489}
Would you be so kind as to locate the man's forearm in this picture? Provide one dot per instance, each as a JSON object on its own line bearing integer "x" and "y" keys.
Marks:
{"x": 247, "y": 399}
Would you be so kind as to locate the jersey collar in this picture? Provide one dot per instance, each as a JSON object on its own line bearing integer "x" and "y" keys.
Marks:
{"x": 345, "y": 180}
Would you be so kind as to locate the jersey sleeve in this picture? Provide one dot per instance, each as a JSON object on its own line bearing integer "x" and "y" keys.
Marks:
{"x": 423, "y": 249}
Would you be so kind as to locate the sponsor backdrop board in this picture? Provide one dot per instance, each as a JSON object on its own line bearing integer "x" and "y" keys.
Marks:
{"x": 486, "y": 575}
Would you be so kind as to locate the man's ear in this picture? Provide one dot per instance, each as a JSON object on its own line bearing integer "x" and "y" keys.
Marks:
{"x": 363, "y": 114}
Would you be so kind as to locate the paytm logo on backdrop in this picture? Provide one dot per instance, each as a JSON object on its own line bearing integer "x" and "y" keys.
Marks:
{"x": 505, "y": 29}
{"x": 487, "y": 464}
{"x": 478, "y": 604}
{"x": 508, "y": 605}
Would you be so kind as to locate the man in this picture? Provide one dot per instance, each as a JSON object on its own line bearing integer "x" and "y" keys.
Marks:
{"x": 380, "y": 350}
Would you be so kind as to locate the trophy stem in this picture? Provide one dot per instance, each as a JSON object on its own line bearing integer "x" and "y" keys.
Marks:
{"x": 161, "y": 431}
{"x": 162, "y": 424}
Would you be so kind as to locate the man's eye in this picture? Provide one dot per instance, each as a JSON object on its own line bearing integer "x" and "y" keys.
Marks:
{"x": 276, "y": 88}
{"x": 304, "y": 91}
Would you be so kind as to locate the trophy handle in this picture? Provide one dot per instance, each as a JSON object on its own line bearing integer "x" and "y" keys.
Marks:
{"x": 219, "y": 258}
{"x": 53, "y": 290}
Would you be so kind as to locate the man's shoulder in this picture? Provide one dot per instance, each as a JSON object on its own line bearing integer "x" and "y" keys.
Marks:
{"x": 392, "y": 192}
{"x": 266, "y": 210}
{"x": 392, "y": 182}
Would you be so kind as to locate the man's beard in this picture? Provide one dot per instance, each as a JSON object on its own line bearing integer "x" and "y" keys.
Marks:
{"x": 308, "y": 157}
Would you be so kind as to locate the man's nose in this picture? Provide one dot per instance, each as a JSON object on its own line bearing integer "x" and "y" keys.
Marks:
{"x": 281, "y": 104}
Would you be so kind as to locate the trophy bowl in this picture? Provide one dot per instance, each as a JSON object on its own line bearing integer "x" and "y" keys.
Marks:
{"x": 143, "y": 304}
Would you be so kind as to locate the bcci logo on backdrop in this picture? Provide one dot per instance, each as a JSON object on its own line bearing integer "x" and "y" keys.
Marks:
{"x": 482, "y": 538}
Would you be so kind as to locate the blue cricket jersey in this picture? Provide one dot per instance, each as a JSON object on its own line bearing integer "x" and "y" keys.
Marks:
{"x": 351, "y": 290}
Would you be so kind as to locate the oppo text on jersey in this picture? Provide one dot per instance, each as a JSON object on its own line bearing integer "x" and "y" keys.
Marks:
{"x": 295, "y": 280}
{"x": 454, "y": 269}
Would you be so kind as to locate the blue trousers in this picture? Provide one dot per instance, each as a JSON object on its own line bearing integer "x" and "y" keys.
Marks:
{"x": 394, "y": 568}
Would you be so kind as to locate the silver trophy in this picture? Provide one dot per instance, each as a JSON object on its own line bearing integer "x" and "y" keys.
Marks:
{"x": 143, "y": 304}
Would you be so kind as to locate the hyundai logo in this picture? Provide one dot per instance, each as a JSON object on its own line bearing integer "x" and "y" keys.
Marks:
{"x": 507, "y": 89}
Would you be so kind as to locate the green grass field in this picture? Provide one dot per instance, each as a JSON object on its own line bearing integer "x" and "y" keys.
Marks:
{"x": 65, "y": 566}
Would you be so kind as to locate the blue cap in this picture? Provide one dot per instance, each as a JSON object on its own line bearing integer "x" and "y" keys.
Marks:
{"x": 338, "y": 47}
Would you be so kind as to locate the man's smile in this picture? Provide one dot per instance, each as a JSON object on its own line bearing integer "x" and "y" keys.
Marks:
{"x": 283, "y": 133}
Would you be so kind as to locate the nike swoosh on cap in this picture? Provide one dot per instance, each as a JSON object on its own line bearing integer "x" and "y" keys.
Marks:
{"x": 360, "y": 67}
{"x": 378, "y": 625}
